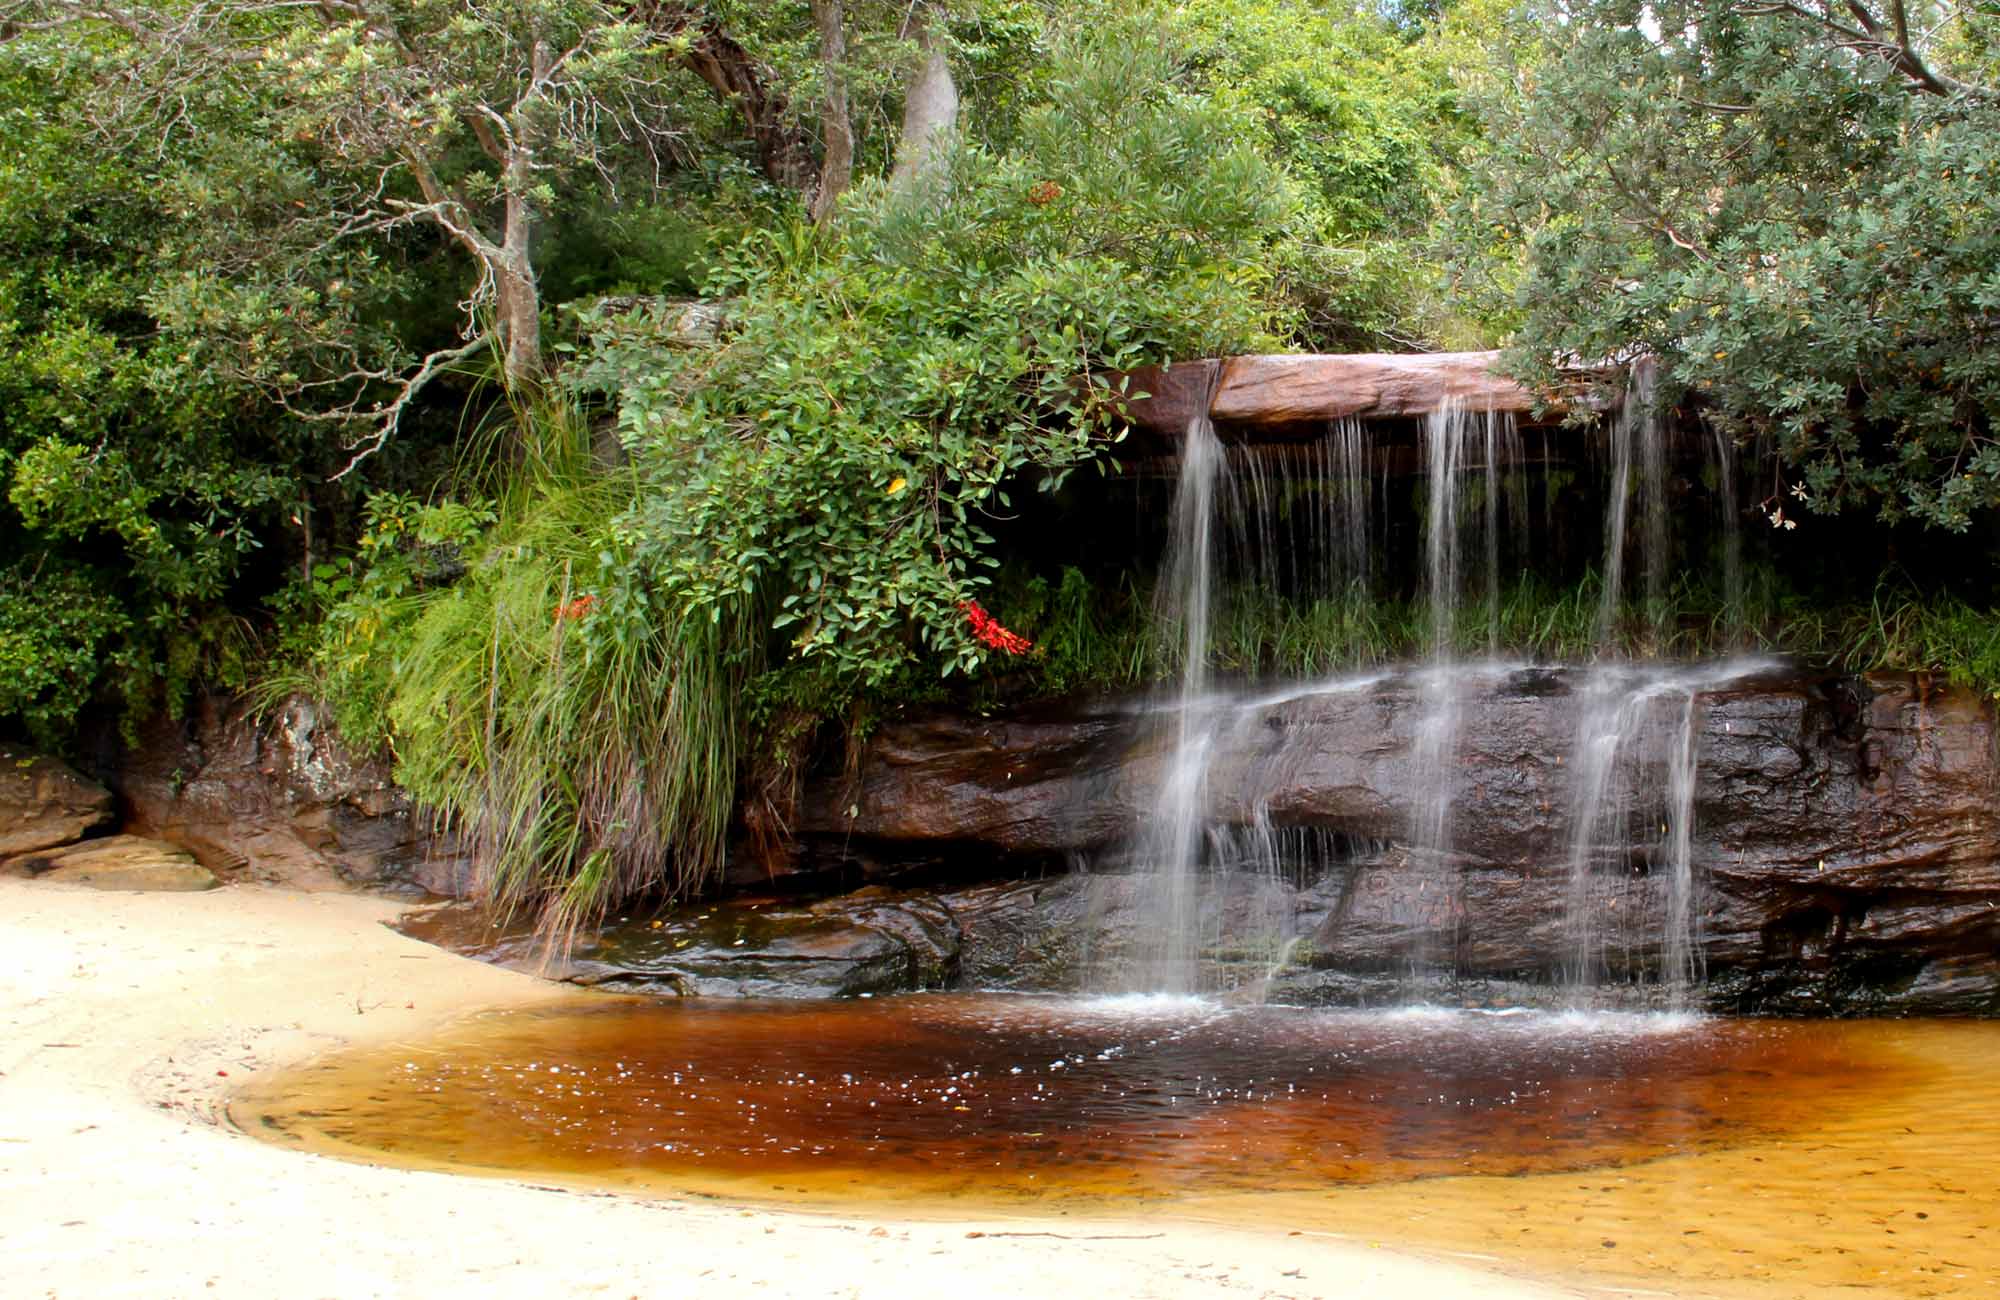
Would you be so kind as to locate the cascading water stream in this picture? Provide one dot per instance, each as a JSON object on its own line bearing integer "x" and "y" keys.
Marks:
{"x": 1348, "y": 453}
{"x": 1732, "y": 539}
{"x": 1681, "y": 966}
{"x": 1308, "y": 526}
{"x": 1299, "y": 522}
{"x": 1437, "y": 727}
{"x": 1451, "y": 433}
{"x": 1170, "y": 845}
{"x": 1636, "y": 722}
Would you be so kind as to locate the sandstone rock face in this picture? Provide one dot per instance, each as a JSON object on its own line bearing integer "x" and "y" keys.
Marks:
{"x": 44, "y": 802}
{"x": 1846, "y": 835}
{"x": 1301, "y": 389}
{"x": 129, "y": 862}
{"x": 1280, "y": 398}
{"x": 278, "y": 798}
{"x": 1844, "y": 850}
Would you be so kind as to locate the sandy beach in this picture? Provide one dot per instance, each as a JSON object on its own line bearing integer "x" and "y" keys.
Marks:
{"x": 126, "y": 1020}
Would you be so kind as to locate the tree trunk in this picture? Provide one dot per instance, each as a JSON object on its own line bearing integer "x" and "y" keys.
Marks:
{"x": 518, "y": 298}
{"x": 930, "y": 113}
{"x": 837, "y": 173}
{"x": 783, "y": 152}
{"x": 519, "y": 309}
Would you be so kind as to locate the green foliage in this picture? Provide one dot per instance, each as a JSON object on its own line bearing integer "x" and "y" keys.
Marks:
{"x": 352, "y": 622}
{"x": 139, "y": 458}
{"x": 586, "y": 751}
{"x": 824, "y": 472}
{"x": 52, "y": 625}
{"x": 1908, "y": 631}
{"x": 583, "y": 746}
{"x": 995, "y": 47}
{"x": 1096, "y": 635}
{"x": 1086, "y": 638}
{"x": 1808, "y": 236}
{"x": 1366, "y": 122}
{"x": 1900, "y": 627}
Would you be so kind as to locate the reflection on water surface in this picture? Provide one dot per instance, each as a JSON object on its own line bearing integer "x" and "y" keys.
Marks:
{"x": 1705, "y": 1156}
{"x": 999, "y": 1096}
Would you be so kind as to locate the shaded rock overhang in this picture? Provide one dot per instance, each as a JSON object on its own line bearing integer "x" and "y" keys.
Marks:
{"x": 1290, "y": 398}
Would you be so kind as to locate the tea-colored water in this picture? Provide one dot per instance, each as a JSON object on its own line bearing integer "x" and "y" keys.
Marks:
{"x": 1777, "y": 1156}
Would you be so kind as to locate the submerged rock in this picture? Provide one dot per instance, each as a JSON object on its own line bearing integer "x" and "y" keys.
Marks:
{"x": 872, "y": 941}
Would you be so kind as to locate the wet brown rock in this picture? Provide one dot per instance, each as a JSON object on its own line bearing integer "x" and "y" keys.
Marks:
{"x": 44, "y": 802}
{"x": 1283, "y": 397}
{"x": 1029, "y": 785}
{"x": 1846, "y": 839}
{"x": 129, "y": 862}
{"x": 872, "y": 941}
{"x": 1163, "y": 399}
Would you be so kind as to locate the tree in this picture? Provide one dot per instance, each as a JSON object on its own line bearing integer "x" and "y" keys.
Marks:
{"x": 146, "y": 305}
{"x": 804, "y": 499}
{"x": 930, "y": 104}
{"x": 1367, "y": 123}
{"x": 480, "y": 120}
{"x": 1796, "y": 206}
{"x": 830, "y": 17}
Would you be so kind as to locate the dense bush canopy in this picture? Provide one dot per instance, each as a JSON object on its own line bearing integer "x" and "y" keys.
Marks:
{"x": 353, "y": 342}
{"x": 1802, "y": 218}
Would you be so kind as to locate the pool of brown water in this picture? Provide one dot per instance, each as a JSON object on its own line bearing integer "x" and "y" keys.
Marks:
{"x": 1009, "y": 1097}
{"x": 1649, "y": 1155}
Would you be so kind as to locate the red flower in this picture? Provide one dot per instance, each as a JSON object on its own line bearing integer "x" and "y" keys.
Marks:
{"x": 576, "y": 608}
{"x": 1043, "y": 193}
{"x": 987, "y": 630}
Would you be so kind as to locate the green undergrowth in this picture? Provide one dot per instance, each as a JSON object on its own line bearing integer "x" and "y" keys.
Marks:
{"x": 1100, "y": 635}
{"x": 583, "y": 751}
{"x": 582, "y": 746}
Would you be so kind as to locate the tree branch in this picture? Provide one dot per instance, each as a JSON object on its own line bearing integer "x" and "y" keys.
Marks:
{"x": 387, "y": 416}
{"x": 1890, "y": 41}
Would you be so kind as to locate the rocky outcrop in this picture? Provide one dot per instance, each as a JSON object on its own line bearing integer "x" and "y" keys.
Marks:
{"x": 44, "y": 802}
{"x": 1300, "y": 389}
{"x": 1844, "y": 850}
{"x": 1279, "y": 397}
{"x": 1846, "y": 833}
{"x": 129, "y": 862}
{"x": 275, "y": 796}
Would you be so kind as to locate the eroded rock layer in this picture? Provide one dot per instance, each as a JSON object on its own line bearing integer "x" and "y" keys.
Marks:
{"x": 1846, "y": 838}
{"x": 44, "y": 802}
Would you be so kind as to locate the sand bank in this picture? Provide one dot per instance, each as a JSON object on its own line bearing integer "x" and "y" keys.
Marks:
{"x": 126, "y": 1020}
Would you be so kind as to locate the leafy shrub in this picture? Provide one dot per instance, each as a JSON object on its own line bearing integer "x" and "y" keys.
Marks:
{"x": 826, "y": 469}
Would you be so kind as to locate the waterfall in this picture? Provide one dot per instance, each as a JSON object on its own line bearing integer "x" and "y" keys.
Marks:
{"x": 1732, "y": 536}
{"x": 1170, "y": 844}
{"x": 1452, "y": 433}
{"x": 1637, "y": 726}
{"x": 1349, "y": 453}
{"x": 1309, "y": 514}
{"x": 1433, "y": 771}
{"x": 1681, "y": 967}
{"x": 1300, "y": 522}
{"x": 1615, "y": 723}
